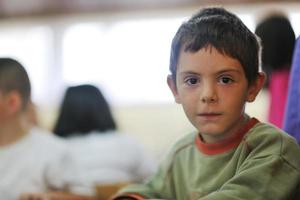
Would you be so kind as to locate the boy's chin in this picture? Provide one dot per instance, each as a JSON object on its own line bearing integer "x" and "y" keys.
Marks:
{"x": 210, "y": 129}
{"x": 212, "y": 134}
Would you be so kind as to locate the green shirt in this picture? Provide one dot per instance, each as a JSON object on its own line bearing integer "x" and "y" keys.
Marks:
{"x": 260, "y": 162}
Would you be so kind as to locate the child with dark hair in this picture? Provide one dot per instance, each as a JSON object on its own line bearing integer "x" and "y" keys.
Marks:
{"x": 278, "y": 41}
{"x": 214, "y": 71}
{"x": 103, "y": 154}
{"x": 84, "y": 109}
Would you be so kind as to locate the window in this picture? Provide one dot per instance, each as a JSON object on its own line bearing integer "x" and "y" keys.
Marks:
{"x": 127, "y": 59}
{"x": 31, "y": 46}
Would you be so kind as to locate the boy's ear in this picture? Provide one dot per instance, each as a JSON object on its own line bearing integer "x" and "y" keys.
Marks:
{"x": 173, "y": 88}
{"x": 256, "y": 86}
{"x": 13, "y": 102}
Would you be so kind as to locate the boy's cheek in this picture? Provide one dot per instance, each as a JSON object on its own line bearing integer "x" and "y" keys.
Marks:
{"x": 177, "y": 100}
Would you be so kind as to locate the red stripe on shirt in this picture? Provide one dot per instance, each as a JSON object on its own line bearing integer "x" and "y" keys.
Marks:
{"x": 227, "y": 144}
{"x": 129, "y": 195}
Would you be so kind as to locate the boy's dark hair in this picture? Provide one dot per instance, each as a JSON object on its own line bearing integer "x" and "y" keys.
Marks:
{"x": 222, "y": 30}
{"x": 13, "y": 77}
{"x": 278, "y": 41}
{"x": 84, "y": 109}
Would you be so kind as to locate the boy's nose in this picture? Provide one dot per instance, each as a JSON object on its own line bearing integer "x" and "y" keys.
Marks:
{"x": 208, "y": 94}
{"x": 206, "y": 99}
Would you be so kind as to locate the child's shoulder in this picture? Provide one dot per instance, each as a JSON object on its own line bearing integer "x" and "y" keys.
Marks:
{"x": 267, "y": 140}
{"x": 264, "y": 132}
{"x": 184, "y": 142}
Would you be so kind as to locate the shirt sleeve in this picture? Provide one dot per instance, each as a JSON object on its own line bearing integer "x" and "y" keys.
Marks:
{"x": 158, "y": 185}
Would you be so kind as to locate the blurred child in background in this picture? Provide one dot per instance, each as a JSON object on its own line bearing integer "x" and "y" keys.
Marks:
{"x": 103, "y": 154}
{"x": 278, "y": 41}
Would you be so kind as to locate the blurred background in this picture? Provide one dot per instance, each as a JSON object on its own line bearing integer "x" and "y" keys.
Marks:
{"x": 122, "y": 46}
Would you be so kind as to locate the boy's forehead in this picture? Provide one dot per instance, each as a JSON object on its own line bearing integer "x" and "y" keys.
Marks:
{"x": 208, "y": 58}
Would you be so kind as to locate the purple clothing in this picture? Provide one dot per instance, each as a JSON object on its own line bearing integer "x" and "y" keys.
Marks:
{"x": 292, "y": 115}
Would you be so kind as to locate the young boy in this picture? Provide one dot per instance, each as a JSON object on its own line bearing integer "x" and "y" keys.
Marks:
{"x": 31, "y": 161}
{"x": 214, "y": 71}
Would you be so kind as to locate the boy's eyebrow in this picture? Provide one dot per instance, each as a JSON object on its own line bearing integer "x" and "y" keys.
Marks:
{"x": 229, "y": 70}
{"x": 218, "y": 72}
{"x": 188, "y": 73}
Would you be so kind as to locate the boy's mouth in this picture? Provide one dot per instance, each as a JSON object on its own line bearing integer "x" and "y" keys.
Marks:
{"x": 209, "y": 115}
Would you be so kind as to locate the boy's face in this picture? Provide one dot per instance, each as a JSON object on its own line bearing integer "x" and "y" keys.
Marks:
{"x": 213, "y": 90}
{"x": 3, "y": 108}
{"x": 10, "y": 103}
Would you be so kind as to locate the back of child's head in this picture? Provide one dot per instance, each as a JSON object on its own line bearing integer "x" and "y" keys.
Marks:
{"x": 278, "y": 41}
{"x": 218, "y": 28}
{"x": 13, "y": 77}
{"x": 84, "y": 110}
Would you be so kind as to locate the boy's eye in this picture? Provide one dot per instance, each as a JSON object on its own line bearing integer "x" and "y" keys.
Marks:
{"x": 191, "y": 81}
{"x": 225, "y": 80}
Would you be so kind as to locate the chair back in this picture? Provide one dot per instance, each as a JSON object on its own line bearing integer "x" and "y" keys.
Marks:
{"x": 106, "y": 191}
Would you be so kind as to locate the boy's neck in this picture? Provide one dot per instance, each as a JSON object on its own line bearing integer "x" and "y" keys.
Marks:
{"x": 241, "y": 123}
{"x": 13, "y": 131}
